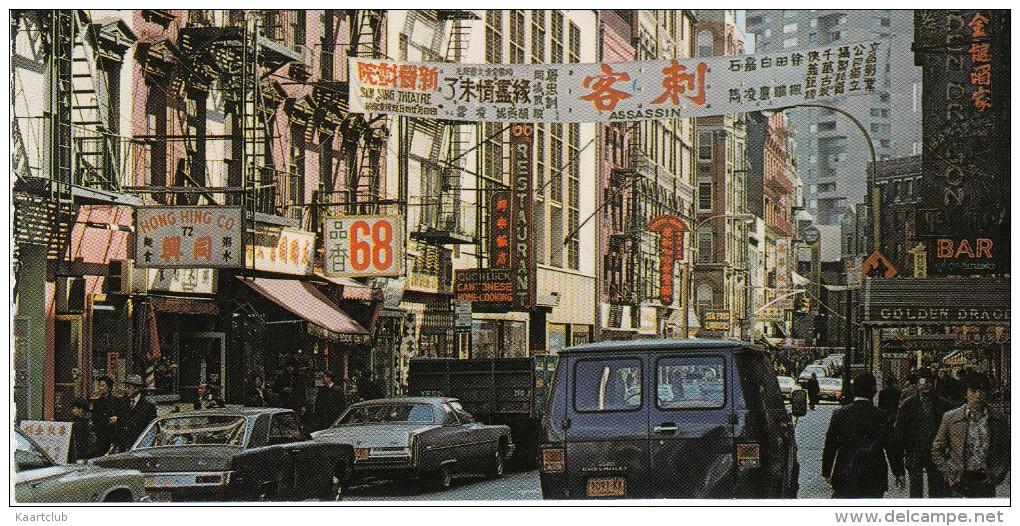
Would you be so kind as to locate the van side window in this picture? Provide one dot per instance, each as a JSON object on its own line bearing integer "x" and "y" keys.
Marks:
{"x": 693, "y": 382}
{"x": 607, "y": 385}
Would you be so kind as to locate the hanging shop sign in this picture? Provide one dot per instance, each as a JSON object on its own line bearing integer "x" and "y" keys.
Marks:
{"x": 622, "y": 91}
{"x": 362, "y": 246}
{"x": 281, "y": 249}
{"x": 522, "y": 253}
{"x": 783, "y": 282}
{"x": 488, "y": 290}
{"x": 671, "y": 249}
{"x": 963, "y": 219}
{"x": 199, "y": 280}
{"x": 716, "y": 320}
{"x": 188, "y": 237}
{"x": 500, "y": 232}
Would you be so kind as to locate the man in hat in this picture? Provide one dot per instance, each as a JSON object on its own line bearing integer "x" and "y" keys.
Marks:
{"x": 857, "y": 445}
{"x": 330, "y": 402}
{"x": 917, "y": 421}
{"x": 134, "y": 416}
{"x": 971, "y": 447}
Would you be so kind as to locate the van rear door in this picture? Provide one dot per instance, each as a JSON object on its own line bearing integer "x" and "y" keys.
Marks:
{"x": 690, "y": 431}
{"x": 606, "y": 445}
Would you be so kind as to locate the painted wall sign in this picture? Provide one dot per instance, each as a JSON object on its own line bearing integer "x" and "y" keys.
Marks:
{"x": 620, "y": 91}
{"x": 188, "y": 237}
{"x": 362, "y": 246}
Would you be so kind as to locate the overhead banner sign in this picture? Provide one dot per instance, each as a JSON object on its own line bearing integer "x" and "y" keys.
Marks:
{"x": 621, "y": 91}
{"x": 360, "y": 246}
{"x": 188, "y": 237}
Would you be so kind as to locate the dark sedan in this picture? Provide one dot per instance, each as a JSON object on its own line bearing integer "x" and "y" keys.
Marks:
{"x": 407, "y": 437}
{"x": 235, "y": 454}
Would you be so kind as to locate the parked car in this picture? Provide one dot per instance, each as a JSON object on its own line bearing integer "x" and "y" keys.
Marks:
{"x": 419, "y": 437}
{"x": 786, "y": 385}
{"x": 830, "y": 388}
{"x": 235, "y": 454}
{"x": 835, "y": 364}
{"x": 667, "y": 419}
{"x": 37, "y": 478}
{"x": 817, "y": 369}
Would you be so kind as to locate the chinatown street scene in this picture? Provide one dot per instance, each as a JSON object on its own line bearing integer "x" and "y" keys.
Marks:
{"x": 550, "y": 256}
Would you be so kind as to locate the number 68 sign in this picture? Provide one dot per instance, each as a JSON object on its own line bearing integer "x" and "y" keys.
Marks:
{"x": 359, "y": 246}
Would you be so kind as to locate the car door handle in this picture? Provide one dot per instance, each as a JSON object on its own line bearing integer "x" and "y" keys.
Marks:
{"x": 666, "y": 428}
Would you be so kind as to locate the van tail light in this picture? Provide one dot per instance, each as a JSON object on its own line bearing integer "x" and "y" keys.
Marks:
{"x": 552, "y": 460}
{"x": 749, "y": 455}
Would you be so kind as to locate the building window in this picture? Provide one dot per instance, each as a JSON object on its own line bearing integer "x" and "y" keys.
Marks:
{"x": 789, "y": 42}
{"x": 493, "y": 36}
{"x": 790, "y": 28}
{"x": 813, "y": 22}
{"x": 704, "y": 245}
{"x": 517, "y": 36}
{"x": 573, "y": 193}
{"x": 768, "y": 33}
{"x": 880, "y": 113}
{"x": 764, "y": 48}
{"x": 789, "y": 13}
{"x": 538, "y": 35}
{"x": 826, "y": 126}
{"x": 556, "y": 162}
{"x": 575, "y": 44}
{"x": 879, "y": 128}
{"x": 557, "y": 37}
{"x": 704, "y": 196}
{"x": 834, "y": 36}
{"x": 705, "y": 146}
{"x": 705, "y": 43}
{"x": 812, "y": 38}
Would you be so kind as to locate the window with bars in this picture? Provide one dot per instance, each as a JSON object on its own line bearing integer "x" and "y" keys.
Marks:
{"x": 517, "y": 36}
{"x": 557, "y": 38}
{"x": 704, "y": 245}
{"x": 556, "y": 234}
{"x": 538, "y": 35}
{"x": 493, "y": 36}
{"x": 575, "y": 43}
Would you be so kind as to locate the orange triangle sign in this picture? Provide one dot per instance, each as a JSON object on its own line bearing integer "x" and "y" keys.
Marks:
{"x": 878, "y": 266}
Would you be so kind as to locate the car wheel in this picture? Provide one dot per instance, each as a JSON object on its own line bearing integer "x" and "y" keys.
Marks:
{"x": 498, "y": 462}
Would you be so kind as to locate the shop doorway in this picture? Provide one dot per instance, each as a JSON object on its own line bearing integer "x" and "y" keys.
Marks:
{"x": 69, "y": 363}
{"x": 202, "y": 359}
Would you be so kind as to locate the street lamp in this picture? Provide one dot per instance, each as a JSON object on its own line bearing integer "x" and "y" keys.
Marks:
{"x": 746, "y": 218}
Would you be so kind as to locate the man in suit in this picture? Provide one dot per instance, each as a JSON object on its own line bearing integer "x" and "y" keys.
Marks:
{"x": 329, "y": 402}
{"x": 135, "y": 414}
{"x": 971, "y": 447}
{"x": 105, "y": 408}
{"x": 917, "y": 421}
{"x": 857, "y": 444}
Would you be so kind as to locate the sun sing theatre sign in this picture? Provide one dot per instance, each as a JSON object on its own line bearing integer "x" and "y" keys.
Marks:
{"x": 624, "y": 91}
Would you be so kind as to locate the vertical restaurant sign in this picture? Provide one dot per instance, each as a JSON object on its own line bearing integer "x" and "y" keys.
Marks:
{"x": 500, "y": 217}
{"x": 671, "y": 249}
{"x": 188, "y": 237}
{"x": 621, "y": 91}
{"x": 783, "y": 274}
{"x": 963, "y": 217}
{"x": 522, "y": 255}
{"x": 281, "y": 249}
{"x": 360, "y": 246}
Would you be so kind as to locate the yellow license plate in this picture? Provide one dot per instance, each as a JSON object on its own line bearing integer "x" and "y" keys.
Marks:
{"x": 607, "y": 487}
{"x": 361, "y": 453}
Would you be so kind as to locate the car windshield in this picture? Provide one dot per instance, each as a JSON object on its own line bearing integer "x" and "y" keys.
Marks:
{"x": 387, "y": 413}
{"x": 196, "y": 430}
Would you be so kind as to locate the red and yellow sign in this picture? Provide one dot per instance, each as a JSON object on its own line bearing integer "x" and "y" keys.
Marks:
{"x": 359, "y": 246}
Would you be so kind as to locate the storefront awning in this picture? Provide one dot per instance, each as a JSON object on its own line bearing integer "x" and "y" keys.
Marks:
{"x": 352, "y": 290}
{"x": 304, "y": 300}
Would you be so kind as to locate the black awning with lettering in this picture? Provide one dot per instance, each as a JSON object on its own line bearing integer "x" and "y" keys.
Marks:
{"x": 936, "y": 301}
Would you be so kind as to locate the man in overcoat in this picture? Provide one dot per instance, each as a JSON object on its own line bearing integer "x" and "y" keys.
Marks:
{"x": 917, "y": 421}
{"x": 858, "y": 444}
{"x": 329, "y": 402}
{"x": 136, "y": 413}
{"x": 971, "y": 447}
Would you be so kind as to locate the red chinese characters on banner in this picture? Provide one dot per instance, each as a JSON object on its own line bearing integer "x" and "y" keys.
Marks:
{"x": 499, "y": 229}
{"x": 603, "y": 95}
{"x": 404, "y": 76}
{"x": 676, "y": 81}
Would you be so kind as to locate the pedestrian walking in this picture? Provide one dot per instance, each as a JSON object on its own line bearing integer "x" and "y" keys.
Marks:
{"x": 917, "y": 422}
{"x": 889, "y": 396}
{"x": 83, "y": 435}
{"x": 330, "y": 402}
{"x": 813, "y": 390}
{"x": 858, "y": 451}
{"x": 972, "y": 447}
{"x": 135, "y": 414}
{"x": 911, "y": 390}
{"x": 104, "y": 412}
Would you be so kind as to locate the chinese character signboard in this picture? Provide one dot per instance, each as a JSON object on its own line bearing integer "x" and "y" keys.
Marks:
{"x": 53, "y": 437}
{"x": 671, "y": 249}
{"x": 360, "y": 246}
{"x": 963, "y": 218}
{"x": 499, "y": 229}
{"x": 188, "y": 237}
{"x": 201, "y": 280}
{"x": 716, "y": 320}
{"x": 783, "y": 283}
{"x": 623, "y": 91}
{"x": 284, "y": 250}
